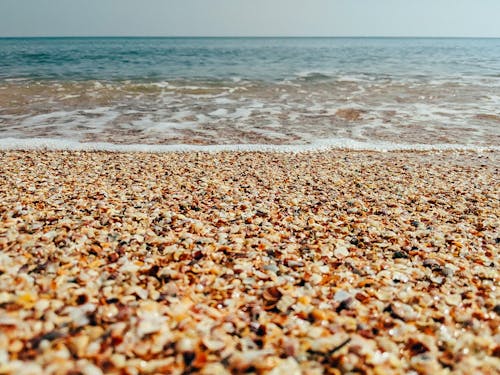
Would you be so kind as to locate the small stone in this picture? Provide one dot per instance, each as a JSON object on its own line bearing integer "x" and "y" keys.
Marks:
{"x": 400, "y": 255}
{"x": 90, "y": 369}
{"x": 118, "y": 360}
{"x": 402, "y": 311}
{"x": 16, "y": 346}
{"x": 432, "y": 263}
{"x": 285, "y": 302}
{"x": 79, "y": 344}
{"x": 287, "y": 366}
{"x": 330, "y": 343}
{"x": 341, "y": 251}
{"x": 341, "y": 295}
{"x": 186, "y": 345}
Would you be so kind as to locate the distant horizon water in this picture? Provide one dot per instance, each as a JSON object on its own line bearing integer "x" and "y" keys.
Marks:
{"x": 303, "y": 92}
{"x": 243, "y": 37}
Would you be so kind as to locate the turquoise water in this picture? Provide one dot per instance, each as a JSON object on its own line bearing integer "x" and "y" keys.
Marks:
{"x": 251, "y": 90}
{"x": 251, "y": 58}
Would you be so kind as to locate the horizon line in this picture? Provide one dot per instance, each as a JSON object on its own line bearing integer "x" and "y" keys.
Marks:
{"x": 250, "y": 36}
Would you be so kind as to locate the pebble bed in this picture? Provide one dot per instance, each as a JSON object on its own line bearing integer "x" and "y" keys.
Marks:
{"x": 244, "y": 262}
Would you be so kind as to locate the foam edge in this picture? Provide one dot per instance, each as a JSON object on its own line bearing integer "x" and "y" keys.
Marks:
{"x": 52, "y": 144}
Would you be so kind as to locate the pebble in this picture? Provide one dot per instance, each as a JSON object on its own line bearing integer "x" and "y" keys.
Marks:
{"x": 341, "y": 251}
{"x": 341, "y": 296}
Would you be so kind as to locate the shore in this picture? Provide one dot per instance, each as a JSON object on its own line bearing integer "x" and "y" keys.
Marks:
{"x": 281, "y": 263}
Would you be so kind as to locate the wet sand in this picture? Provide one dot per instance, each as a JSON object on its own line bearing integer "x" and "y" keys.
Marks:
{"x": 322, "y": 262}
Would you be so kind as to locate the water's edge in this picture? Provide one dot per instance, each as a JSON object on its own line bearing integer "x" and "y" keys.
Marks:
{"x": 11, "y": 144}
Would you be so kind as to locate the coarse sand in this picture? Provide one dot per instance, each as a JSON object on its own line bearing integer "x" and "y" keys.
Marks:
{"x": 323, "y": 262}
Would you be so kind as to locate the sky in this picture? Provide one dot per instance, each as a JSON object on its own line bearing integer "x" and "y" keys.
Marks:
{"x": 457, "y": 18}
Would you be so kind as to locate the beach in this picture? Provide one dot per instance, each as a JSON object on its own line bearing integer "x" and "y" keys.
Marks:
{"x": 333, "y": 262}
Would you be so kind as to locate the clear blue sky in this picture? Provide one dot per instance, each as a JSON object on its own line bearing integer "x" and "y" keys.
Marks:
{"x": 250, "y": 17}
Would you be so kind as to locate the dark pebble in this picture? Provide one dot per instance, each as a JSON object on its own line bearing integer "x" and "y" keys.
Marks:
{"x": 496, "y": 309}
{"x": 400, "y": 255}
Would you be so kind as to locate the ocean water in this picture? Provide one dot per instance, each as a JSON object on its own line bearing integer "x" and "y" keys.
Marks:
{"x": 281, "y": 93}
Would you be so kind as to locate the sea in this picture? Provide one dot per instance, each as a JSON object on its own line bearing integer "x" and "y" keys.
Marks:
{"x": 249, "y": 93}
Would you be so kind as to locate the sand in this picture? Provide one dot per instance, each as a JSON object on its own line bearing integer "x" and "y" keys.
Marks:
{"x": 326, "y": 262}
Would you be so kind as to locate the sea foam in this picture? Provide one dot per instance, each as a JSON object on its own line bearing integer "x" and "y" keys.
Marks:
{"x": 53, "y": 144}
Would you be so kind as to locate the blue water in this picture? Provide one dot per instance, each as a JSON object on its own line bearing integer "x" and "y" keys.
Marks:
{"x": 406, "y": 91}
{"x": 251, "y": 58}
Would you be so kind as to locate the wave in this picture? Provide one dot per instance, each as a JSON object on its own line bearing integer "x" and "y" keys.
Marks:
{"x": 315, "y": 76}
{"x": 251, "y": 112}
{"x": 53, "y": 144}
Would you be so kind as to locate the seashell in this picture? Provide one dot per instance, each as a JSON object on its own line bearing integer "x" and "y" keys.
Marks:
{"x": 288, "y": 366}
{"x": 272, "y": 294}
{"x": 87, "y": 368}
{"x": 330, "y": 344}
{"x": 341, "y": 295}
{"x": 214, "y": 368}
{"x": 213, "y": 345}
{"x": 432, "y": 263}
{"x": 402, "y": 311}
{"x": 78, "y": 345}
{"x": 118, "y": 360}
{"x": 242, "y": 361}
{"x": 285, "y": 303}
{"x": 291, "y": 346}
{"x": 316, "y": 279}
{"x": 424, "y": 363}
{"x": 186, "y": 345}
{"x": 15, "y": 347}
{"x": 341, "y": 250}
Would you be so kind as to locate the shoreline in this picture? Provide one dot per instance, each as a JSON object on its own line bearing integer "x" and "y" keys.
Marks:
{"x": 382, "y": 262}
{"x": 320, "y": 145}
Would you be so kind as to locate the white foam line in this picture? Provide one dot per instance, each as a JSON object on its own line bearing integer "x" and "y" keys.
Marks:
{"x": 319, "y": 145}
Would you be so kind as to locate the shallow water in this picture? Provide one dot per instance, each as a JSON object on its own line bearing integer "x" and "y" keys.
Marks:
{"x": 274, "y": 91}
